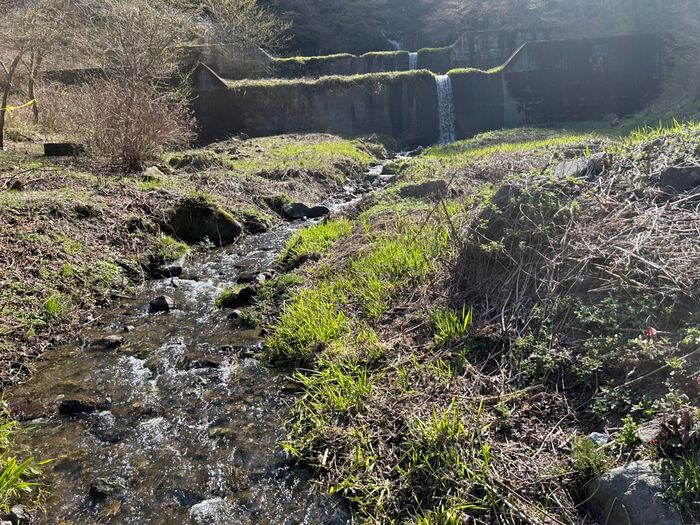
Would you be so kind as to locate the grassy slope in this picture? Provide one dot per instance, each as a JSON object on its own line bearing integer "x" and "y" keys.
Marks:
{"x": 452, "y": 354}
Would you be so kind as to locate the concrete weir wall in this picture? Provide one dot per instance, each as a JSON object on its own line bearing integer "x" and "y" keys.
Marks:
{"x": 479, "y": 49}
{"x": 401, "y": 105}
{"x": 559, "y": 81}
{"x": 543, "y": 83}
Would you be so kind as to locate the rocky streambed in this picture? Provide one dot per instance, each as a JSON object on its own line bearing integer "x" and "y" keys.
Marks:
{"x": 168, "y": 416}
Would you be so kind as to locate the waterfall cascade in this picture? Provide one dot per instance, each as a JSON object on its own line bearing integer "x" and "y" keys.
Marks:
{"x": 446, "y": 109}
{"x": 394, "y": 43}
{"x": 413, "y": 61}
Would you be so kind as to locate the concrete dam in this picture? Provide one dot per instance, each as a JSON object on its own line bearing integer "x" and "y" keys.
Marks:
{"x": 420, "y": 98}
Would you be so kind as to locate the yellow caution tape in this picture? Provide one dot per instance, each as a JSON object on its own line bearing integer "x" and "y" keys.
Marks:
{"x": 11, "y": 108}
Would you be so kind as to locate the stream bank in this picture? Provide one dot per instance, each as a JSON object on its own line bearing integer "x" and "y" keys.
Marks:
{"x": 164, "y": 413}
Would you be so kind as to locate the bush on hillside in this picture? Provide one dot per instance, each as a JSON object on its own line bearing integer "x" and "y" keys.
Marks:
{"x": 129, "y": 124}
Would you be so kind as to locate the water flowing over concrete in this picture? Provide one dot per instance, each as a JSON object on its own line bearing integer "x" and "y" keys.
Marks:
{"x": 446, "y": 109}
{"x": 413, "y": 61}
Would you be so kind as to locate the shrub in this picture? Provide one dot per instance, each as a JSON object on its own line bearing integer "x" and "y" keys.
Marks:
{"x": 130, "y": 123}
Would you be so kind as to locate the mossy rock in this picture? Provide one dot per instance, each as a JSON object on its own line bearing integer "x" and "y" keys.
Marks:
{"x": 196, "y": 220}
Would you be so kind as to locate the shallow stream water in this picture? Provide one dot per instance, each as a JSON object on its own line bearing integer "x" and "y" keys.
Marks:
{"x": 192, "y": 430}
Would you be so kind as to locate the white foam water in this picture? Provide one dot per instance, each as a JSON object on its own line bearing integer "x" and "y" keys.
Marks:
{"x": 446, "y": 109}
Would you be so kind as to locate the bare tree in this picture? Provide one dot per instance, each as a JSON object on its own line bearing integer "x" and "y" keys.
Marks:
{"x": 129, "y": 40}
{"x": 28, "y": 32}
{"x": 244, "y": 21}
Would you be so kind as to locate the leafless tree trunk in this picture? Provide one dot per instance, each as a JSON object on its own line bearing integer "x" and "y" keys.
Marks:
{"x": 9, "y": 75}
{"x": 33, "y": 68}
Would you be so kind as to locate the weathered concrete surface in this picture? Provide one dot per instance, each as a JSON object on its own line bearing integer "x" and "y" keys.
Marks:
{"x": 542, "y": 83}
{"x": 401, "y": 105}
{"x": 574, "y": 80}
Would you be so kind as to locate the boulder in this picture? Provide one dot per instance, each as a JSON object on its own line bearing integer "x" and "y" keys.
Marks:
{"x": 581, "y": 168}
{"x": 631, "y": 495}
{"x": 295, "y": 210}
{"x": 83, "y": 404}
{"x": 162, "y": 303}
{"x": 195, "y": 220}
{"x": 680, "y": 179}
{"x": 431, "y": 188}
{"x": 318, "y": 211}
{"x": 17, "y": 185}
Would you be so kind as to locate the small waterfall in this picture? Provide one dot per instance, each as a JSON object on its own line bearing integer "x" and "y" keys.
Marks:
{"x": 413, "y": 61}
{"x": 446, "y": 109}
{"x": 394, "y": 43}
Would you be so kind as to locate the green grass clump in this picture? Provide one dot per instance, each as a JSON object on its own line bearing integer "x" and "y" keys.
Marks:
{"x": 683, "y": 482}
{"x": 589, "y": 460}
{"x": 15, "y": 476}
{"x": 396, "y": 261}
{"x": 450, "y": 325}
{"x": 227, "y": 297}
{"x": 165, "y": 248}
{"x": 315, "y": 240}
{"x": 443, "y": 453}
{"x": 309, "y": 324}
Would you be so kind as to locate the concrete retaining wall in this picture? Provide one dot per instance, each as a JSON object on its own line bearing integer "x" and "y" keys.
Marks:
{"x": 543, "y": 83}
{"x": 401, "y": 105}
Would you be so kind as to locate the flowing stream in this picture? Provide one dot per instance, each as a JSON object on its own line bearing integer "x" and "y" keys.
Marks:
{"x": 446, "y": 109}
{"x": 194, "y": 418}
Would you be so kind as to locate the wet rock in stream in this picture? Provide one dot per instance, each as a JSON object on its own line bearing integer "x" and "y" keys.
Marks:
{"x": 110, "y": 342}
{"x": 162, "y": 303}
{"x": 29, "y": 409}
{"x": 299, "y": 210}
{"x": 244, "y": 297}
{"x": 103, "y": 488}
{"x": 173, "y": 269}
{"x": 83, "y": 404}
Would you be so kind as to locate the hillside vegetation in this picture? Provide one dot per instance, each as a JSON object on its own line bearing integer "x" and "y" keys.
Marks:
{"x": 454, "y": 349}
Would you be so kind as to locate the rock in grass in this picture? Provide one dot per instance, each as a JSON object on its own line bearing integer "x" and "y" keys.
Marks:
{"x": 162, "y": 303}
{"x": 431, "y": 188}
{"x": 631, "y": 495}
{"x": 680, "y": 179}
{"x": 83, "y": 404}
{"x": 581, "y": 168}
{"x": 19, "y": 514}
